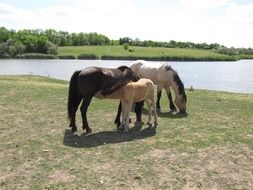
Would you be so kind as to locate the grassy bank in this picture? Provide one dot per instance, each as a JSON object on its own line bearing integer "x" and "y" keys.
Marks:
{"x": 211, "y": 148}
{"x": 147, "y": 53}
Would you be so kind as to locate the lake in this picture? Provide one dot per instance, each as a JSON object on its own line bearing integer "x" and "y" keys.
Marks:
{"x": 223, "y": 76}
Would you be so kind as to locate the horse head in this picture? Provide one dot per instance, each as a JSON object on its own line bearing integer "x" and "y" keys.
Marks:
{"x": 181, "y": 98}
{"x": 128, "y": 73}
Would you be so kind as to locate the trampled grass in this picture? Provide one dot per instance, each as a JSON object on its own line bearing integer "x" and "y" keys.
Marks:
{"x": 210, "y": 148}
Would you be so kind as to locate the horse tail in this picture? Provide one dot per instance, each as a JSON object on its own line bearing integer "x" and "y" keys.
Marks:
{"x": 73, "y": 95}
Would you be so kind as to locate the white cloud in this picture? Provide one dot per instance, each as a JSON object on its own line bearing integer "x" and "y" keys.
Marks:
{"x": 203, "y": 4}
{"x": 10, "y": 12}
{"x": 211, "y": 21}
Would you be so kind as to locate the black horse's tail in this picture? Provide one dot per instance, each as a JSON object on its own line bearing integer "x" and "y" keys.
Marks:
{"x": 73, "y": 95}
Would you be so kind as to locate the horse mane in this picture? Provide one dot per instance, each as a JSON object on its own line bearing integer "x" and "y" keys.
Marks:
{"x": 115, "y": 87}
{"x": 123, "y": 67}
{"x": 168, "y": 67}
{"x": 128, "y": 76}
{"x": 177, "y": 79}
{"x": 180, "y": 84}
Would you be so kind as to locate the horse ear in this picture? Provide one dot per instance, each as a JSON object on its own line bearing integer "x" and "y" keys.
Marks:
{"x": 167, "y": 67}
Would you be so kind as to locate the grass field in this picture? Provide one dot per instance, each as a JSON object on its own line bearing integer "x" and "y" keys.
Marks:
{"x": 210, "y": 148}
{"x": 143, "y": 52}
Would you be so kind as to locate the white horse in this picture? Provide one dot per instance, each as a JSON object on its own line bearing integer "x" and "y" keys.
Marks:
{"x": 130, "y": 92}
{"x": 165, "y": 77}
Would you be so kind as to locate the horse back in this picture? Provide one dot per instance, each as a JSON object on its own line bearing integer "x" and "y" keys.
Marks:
{"x": 142, "y": 89}
{"x": 157, "y": 72}
{"x": 98, "y": 78}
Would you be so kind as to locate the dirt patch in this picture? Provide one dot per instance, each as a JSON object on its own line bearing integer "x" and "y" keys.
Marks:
{"x": 210, "y": 168}
{"x": 60, "y": 176}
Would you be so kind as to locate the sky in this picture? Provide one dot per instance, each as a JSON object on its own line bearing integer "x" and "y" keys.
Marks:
{"x": 227, "y": 22}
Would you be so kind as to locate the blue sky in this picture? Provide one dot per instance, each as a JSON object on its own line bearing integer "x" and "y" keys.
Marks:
{"x": 228, "y": 22}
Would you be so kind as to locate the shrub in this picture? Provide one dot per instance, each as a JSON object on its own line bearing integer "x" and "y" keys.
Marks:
{"x": 125, "y": 46}
{"x": 36, "y": 56}
{"x": 66, "y": 57}
{"x": 87, "y": 56}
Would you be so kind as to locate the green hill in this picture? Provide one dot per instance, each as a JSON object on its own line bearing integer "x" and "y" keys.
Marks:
{"x": 148, "y": 53}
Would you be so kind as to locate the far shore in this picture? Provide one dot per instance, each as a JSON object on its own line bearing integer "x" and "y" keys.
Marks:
{"x": 132, "y": 53}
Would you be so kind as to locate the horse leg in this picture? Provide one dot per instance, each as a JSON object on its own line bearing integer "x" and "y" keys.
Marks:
{"x": 138, "y": 110}
{"x": 123, "y": 115}
{"x": 127, "y": 112}
{"x": 154, "y": 109}
{"x": 84, "y": 108}
{"x": 172, "y": 105}
{"x": 159, "y": 94}
{"x": 117, "y": 119}
{"x": 74, "y": 108}
{"x": 148, "y": 102}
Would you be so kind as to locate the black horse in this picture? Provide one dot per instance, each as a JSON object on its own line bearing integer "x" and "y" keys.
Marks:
{"x": 84, "y": 84}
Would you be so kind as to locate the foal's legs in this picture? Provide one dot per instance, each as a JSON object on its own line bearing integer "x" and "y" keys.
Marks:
{"x": 123, "y": 115}
{"x": 127, "y": 113}
{"x": 126, "y": 108}
{"x": 151, "y": 105}
{"x": 138, "y": 111}
{"x": 154, "y": 109}
{"x": 172, "y": 105}
{"x": 148, "y": 102}
{"x": 84, "y": 108}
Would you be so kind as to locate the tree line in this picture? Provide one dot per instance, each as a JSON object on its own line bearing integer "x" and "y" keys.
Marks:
{"x": 174, "y": 44}
{"x": 13, "y": 43}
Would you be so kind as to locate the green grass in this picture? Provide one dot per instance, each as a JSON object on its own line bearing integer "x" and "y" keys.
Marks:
{"x": 118, "y": 52}
{"x": 210, "y": 148}
{"x": 246, "y": 56}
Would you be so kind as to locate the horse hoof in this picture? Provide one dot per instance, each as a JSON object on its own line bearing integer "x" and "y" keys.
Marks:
{"x": 74, "y": 129}
{"x": 149, "y": 124}
{"x": 173, "y": 109}
{"x": 138, "y": 123}
{"x": 88, "y": 131}
{"x": 118, "y": 125}
{"x": 116, "y": 121}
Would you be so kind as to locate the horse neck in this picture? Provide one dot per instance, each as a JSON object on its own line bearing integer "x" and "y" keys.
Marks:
{"x": 177, "y": 84}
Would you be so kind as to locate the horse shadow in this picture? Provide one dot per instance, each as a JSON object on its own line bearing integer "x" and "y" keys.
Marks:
{"x": 170, "y": 114}
{"x": 107, "y": 137}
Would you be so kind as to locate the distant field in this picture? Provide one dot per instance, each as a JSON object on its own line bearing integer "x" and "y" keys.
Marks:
{"x": 143, "y": 52}
{"x": 210, "y": 148}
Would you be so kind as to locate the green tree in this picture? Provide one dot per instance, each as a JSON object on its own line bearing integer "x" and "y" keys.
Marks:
{"x": 125, "y": 46}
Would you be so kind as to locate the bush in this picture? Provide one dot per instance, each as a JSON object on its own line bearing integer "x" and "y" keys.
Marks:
{"x": 87, "y": 56}
{"x": 170, "y": 58}
{"x": 36, "y": 56}
{"x": 125, "y": 46}
{"x": 66, "y": 57}
{"x": 50, "y": 48}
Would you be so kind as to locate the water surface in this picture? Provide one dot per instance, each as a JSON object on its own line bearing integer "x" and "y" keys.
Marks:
{"x": 222, "y": 76}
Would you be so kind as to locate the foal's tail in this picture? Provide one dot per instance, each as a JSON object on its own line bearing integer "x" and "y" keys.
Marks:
{"x": 73, "y": 95}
